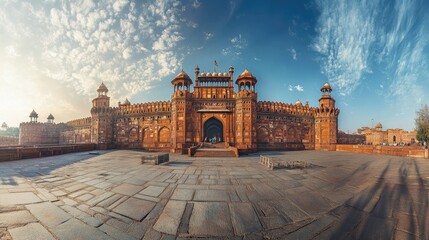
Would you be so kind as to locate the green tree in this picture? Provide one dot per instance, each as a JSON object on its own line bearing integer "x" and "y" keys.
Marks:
{"x": 422, "y": 124}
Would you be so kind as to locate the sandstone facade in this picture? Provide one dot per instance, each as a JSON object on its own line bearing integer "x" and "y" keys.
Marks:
{"x": 377, "y": 135}
{"x": 209, "y": 111}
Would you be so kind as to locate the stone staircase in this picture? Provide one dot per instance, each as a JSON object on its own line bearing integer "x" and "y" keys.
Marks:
{"x": 214, "y": 150}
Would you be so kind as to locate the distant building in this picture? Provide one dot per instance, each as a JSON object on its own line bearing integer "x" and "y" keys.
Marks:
{"x": 377, "y": 135}
{"x": 354, "y": 138}
{"x": 211, "y": 110}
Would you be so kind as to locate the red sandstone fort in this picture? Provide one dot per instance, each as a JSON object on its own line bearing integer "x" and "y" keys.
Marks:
{"x": 210, "y": 111}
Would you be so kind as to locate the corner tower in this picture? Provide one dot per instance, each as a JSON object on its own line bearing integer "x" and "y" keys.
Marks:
{"x": 246, "y": 102}
{"x": 326, "y": 121}
{"x": 181, "y": 121}
{"x": 101, "y": 124}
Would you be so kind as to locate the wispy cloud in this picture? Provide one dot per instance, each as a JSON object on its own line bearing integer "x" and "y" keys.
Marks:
{"x": 238, "y": 43}
{"x": 392, "y": 36}
{"x": 345, "y": 34}
{"x": 208, "y": 35}
{"x": 256, "y": 59}
{"x": 83, "y": 44}
{"x": 129, "y": 46}
{"x": 298, "y": 88}
{"x": 293, "y": 54}
{"x": 196, "y": 4}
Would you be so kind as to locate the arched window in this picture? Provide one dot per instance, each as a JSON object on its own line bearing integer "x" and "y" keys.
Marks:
{"x": 278, "y": 135}
{"x": 133, "y": 136}
{"x": 164, "y": 135}
{"x": 263, "y": 135}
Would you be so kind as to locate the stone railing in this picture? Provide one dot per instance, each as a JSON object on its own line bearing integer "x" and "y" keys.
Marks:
{"x": 193, "y": 149}
{"x": 235, "y": 150}
{"x": 275, "y": 163}
{"x": 24, "y": 152}
{"x": 156, "y": 159}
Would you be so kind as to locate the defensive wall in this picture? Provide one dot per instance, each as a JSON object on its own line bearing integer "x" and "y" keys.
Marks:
{"x": 17, "y": 153}
{"x": 9, "y": 141}
{"x": 403, "y": 151}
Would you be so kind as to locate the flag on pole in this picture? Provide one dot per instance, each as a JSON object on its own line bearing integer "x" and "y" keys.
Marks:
{"x": 215, "y": 63}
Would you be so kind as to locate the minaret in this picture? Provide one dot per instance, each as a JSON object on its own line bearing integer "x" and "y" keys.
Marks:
{"x": 180, "y": 105}
{"x": 33, "y": 116}
{"x": 101, "y": 124}
{"x": 245, "y": 105}
{"x": 51, "y": 118}
{"x": 231, "y": 75}
{"x": 197, "y": 73}
{"x": 326, "y": 121}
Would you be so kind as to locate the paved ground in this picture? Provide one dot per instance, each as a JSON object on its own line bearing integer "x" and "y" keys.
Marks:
{"x": 113, "y": 196}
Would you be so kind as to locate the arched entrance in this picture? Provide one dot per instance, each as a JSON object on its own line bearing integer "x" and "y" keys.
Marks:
{"x": 213, "y": 128}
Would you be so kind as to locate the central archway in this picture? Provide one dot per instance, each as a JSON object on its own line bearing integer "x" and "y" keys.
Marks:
{"x": 213, "y": 128}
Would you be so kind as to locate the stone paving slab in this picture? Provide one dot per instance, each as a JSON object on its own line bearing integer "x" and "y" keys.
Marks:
{"x": 244, "y": 218}
{"x": 211, "y": 195}
{"x": 18, "y": 198}
{"x": 183, "y": 194}
{"x": 31, "y": 231}
{"x": 48, "y": 213}
{"x": 134, "y": 208}
{"x": 127, "y": 189}
{"x": 76, "y": 230}
{"x": 14, "y": 218}
{"x": 170, "y": 217}
{"x": 153, "y": 191}
{"x": 350, "y": 196}
{"x": 210, "y": 219}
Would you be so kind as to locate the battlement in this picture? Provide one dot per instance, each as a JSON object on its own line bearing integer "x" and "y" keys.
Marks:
{"x": 288, "y": 108}
{"x": 80, "y": 122}
{"x": 159, "y": 106}
{"x": 38, "y": 124}
{"x": 327, "y": 111}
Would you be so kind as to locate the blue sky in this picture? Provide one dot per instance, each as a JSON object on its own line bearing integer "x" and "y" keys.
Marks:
{"x": 54, "y": 54}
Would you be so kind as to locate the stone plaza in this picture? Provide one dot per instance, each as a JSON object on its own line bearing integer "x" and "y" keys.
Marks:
{"x": 114, "y": 196}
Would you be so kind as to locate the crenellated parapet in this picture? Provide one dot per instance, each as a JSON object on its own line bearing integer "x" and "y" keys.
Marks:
{"x": 102, "y": 110}
{"x": 142, "y": 108}
{"x": 326, "y": 111}
{"x": 81, "y": 122}
{"x": 285, "y": 108}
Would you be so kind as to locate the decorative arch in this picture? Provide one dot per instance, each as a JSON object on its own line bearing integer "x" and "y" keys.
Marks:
{"x": 164, "y": 135}
{"x": 145, "y": 137}
{"x": 133, "y": 135}
{"x": 263, "y": 135}
{"x": 122, "y": 136}
{"x": 213, "y": 128}
{"x": 292, "y": 135}
{"x": 278, "y": 135}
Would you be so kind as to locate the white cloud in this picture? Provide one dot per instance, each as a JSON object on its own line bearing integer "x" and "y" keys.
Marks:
{"x": 196, "y": 4}
{"x": 392, "y": 36}
{"x": 10, "y": 51}
{"x": 293, "y": 54}
{"x": 192, "y": 24}
{"x": 298, "y": 88}
{"x": 345, "y": 34}
{"x": 77, "y": 45}
{"x": 256, "y": 59}
{"x": 208, "y": 35}
{"x": 117, "y": 6}
{"x": 238, "y": 43}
